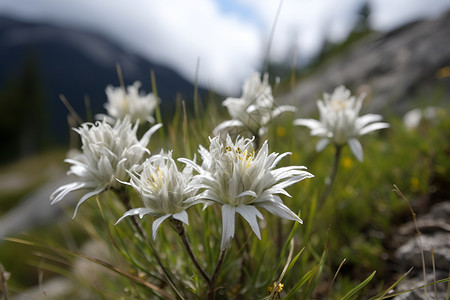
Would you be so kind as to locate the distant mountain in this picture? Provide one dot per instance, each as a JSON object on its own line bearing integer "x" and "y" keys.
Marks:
{"x": 74, "y": 63}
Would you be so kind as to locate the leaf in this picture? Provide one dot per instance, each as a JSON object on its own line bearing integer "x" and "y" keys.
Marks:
{"x": 357, "y": 288}
{"x": 392, "y": 286}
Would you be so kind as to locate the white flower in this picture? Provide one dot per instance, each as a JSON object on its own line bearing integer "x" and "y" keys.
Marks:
{"x": 107, "y": 154}
{"x": 255, "y": 109}
{"x": 163, "y": 189}
{"x": 340, "y": 122}
{"x": 413, "y": 117}
{"x": 242, "y": 181}
{"x": 121, "y": 103}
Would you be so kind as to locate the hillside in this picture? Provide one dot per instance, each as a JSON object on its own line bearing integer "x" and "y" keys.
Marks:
{"x": 393, "y": 68}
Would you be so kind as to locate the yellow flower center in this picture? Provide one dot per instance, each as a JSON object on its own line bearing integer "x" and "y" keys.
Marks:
{"x": 338, "y": 105}
{"x": 156, "y": 180}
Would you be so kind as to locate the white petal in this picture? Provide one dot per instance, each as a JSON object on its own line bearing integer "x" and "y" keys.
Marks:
{"x": 228, "y": 217}
{"x": 135, "y": 211}
{"x": 156, "y": 224}
{"x": 250, "y": 214}
{"x": 247, "y": 193}
{"x": 277, "y": 160}
{"x": 356, "y": 148}
{"x": 282, "y": 109}
{"x": 281, "y": 210}
{"x": 310, "y": 123}
{"x": 321, "y": 144}
{"x": 145, "y": 139}
{"x": 373, "y": 127}
{"x": 227, "y": 124}
{"x": 182, "y": 216}
{"x": 85, "y": 197}
{"x": 62, "y": 191}
{"x": 366, "y": 119}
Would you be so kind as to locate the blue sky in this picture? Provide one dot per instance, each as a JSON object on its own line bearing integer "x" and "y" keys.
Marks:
{"x": 228, "y": 37}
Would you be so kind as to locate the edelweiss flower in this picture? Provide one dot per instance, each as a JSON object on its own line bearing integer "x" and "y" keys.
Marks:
{"x": 107, "y": 154}
{"x": 340, "y": 122}
{"x": 241, "y": 180}
{"x": 130, "y": 103}
{"x": 164, "y": 190}
{"x": 255, "y": 109}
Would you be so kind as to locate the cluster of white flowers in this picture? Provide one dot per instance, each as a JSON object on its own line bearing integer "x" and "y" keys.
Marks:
{"x": 129, "y": 103}
{"x": 107, "y": 153}
{"x": 255, "y": 109}
{"x": 340, "y": 122}
{"x": 232, "y": 174}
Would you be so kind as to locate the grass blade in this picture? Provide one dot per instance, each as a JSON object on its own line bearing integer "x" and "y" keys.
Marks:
{"x": 357, "y": 288}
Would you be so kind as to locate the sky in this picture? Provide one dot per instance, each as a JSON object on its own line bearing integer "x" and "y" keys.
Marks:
{"x": 228, "y": 39}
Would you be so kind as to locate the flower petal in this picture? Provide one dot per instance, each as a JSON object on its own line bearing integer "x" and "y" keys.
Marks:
{"x": 135, "y": 211}
{"x": 227, "y": 124}
{"x": 228, "y": 217}
{"x": 366, "y": 119}
{"x": 62, "y": 191}
{"x": 247, "y": 193}
{"x": 157, "y": 223}
{"x": 310, "y": 123}
{"x": 279, "y": 209}
{"x": 321, "y": 144}
{"x": 373, "y": 127}
{"x": 146, "y": 137}
{"x": 85, "y": 197}
{"x": 182, "y": 216}
{"x": 356, "y": 148}
{"x": 250, "y": 214}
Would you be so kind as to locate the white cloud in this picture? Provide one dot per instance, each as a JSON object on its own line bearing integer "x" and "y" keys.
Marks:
{"x": 229, "y": 45}
{"x": 388, "y": 14}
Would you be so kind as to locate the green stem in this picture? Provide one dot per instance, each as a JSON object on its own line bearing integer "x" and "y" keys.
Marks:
{"x": 182, "y": 233}
{"x": 124, "y": 196}
{"x": 212, "y": 285}
{"x": 256, "y": 142}
{"x": 329, "y": 184}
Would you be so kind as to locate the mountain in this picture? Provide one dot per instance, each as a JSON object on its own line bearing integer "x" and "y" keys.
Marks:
{"x": 38, "y": 62}
{"x": 395, "y": 68}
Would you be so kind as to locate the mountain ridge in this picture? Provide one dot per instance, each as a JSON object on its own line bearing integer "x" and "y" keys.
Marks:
{"x": 75, "y": 63}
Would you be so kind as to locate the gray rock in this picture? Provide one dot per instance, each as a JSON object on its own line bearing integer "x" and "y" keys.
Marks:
{"x": 391, "y": 67}
{"x": 435, "y": 237}
{"x": 441, "y": 211}
{"x": 409, "y": 254}
{"x": 35, "y": 209}
{"x": 55, "y": 288}
{"x": 432, "y": 292}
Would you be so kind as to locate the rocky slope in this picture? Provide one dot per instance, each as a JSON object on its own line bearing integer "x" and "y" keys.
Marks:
{"x": 393, "y": 68}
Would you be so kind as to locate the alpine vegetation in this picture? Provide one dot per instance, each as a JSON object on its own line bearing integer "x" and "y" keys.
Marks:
{"x": 205, "y": 198}
{"x": 129, "y": 103}
{"x": 255, "y": 109}
{"x": 340, "y": 122}
{"x": 107, "y": 153}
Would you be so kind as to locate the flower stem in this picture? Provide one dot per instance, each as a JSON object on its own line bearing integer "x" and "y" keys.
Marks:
{"x": 182, "y": 233}
{"x": 257, "y": 141}
{"x": 124, "y": 196}
{"x": 212, "y": 284}
{"x": 329, "y": 184}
